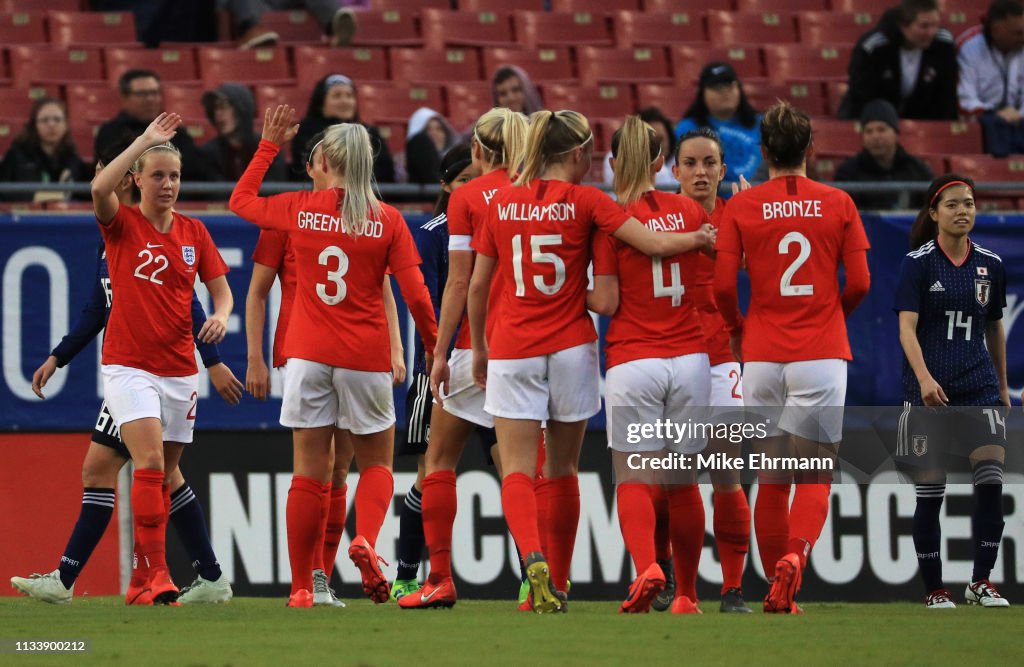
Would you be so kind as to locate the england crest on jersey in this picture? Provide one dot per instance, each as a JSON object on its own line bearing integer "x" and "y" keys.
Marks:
{"x": 188, "y": 252}
{"x": 982, "y": 290}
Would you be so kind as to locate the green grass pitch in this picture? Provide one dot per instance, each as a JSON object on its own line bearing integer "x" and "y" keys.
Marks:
{"x": 261, "y": 631}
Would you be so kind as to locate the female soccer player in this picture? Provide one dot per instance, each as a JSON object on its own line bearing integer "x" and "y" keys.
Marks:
{"x": 543, "y": 356}
{"x": 274, "y": 258}
{"x": 794, "y": 234}
{"x": 950, "y": 300}
{"x": 150, "y": 380}
{"x": 339, "y": 367}
{"x": 657, "y": 367}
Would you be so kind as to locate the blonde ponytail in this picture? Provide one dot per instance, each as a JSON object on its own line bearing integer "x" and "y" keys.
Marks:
{"x": 552, "y": 136}
{"x": 350, "y": 155}
{"x": 635, "y": 147}
{"x": 501, "y": 133}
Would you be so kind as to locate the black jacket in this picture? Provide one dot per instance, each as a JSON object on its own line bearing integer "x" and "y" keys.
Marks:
{"x": 226, "y": 162}
{"x": 863, "y": 167}
{"x": 26, "y": 163}
{"x": 875, "y": 72}
{"x": 122, "y": 127}
{"x": 383, "y": 164}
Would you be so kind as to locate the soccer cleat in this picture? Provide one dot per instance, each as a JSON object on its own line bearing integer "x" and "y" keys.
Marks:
{"x": 939, "y": 599}
{"x": 785, "y": 586}
{"x": 684, "y": 605}
{"x": 643, "y": 590}
{"x": 664, "y": 599}
{"x": 437, "y": 593}
{"x": 403, "y": 587}
{"x": 206, "y": 591}
{"x": 301, "y": 599}
{"x": 366, "y": 559}
{"x": 323, "y": 595}
{"x": 542, "y": 594}
{"x": 732, "y": 601}
{"x": 161, "y": 587}
{"x": 982, "y": 592}
{"x": 45, "y": 587}
{"x": 139, "y": 593}
{"x": 524, "y": 591}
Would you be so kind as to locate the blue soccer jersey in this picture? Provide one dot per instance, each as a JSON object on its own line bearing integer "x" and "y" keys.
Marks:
{"x": 954, "y": 304}
{"x": 432, "y": 243}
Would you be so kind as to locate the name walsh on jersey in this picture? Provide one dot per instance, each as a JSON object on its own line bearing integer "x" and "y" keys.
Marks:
{"x": 556, "y": 211}
{"x": 672, "y": 222}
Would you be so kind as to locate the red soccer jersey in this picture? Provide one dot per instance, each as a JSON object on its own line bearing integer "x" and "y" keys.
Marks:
{"x": 150, "y": 325}
{"x": 467, "y": 210}
{"x": 794, "y": 233}
{"x": 273, "y": 249}
{"x": 716, "y": 333}
{"x": 657, "y": 317}
{"x": 541, "y": 237}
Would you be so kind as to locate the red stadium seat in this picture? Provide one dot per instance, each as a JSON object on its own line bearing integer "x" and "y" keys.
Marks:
{"x": 85, "y": 28}
{"x": 467, "y": 102}
{"x": 185, "y": 99}
{"x": 48, "y": 65}
{"x": 551, "y": 29}
{"x": 841, "y": 137}
{"x": 988, "y": 169}
{"x": 313, "y": 63}
{"x": 806, "y": 96}
{"x": 41, "y": 5}
{"x": 834, "y": 92}
{"x": 9, "y": 128}
{"x": 500, "y": 5}
{"x": 642, "y": 64}
{"x": 410, "y": 6}
{"x": 649, "y": 29}
{"x": 941, "y": 137}
{"x": 877, "y": 7}
{"x": 603, "y": 129}
{"x": 831, "y": 28}
{"x": 672, "y": 100}
{"x": 612, "y": 101}
{"x": 170, "y": 64}
{"x": 546, "y": 64}
{"x": 269, "y": 96}
{"x": 688, "y": 61}
{"x": 938, "y": 163}
{"x": 84, "y": 137}
{"x": 958, "y": 21}
{"x": 789, "y": 62}
{"x": 606, "y": 6}
{"x": 387, "y": 28}
{"x": 443, "y": 28}
{"x": 16, "y": 103}
{"x": 669, "y": 6}
{"x": 394, "y": 134}
{"x": 822, "y": 167}
{"x": 751, "y": 28}
{"x": 396, "y": 102}
{"x": 759, "y": 6}
{"x": 434, "y": 66}
{"x": 293, "y": 27}
{"x": 22, "y": 28}
{"x": 92, "y": 103}
{"x": 251, "y": 66}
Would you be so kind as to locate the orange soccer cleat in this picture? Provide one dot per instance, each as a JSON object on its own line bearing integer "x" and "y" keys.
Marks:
{"x": 788, "y": 575}
{"x": 366, "y": 559}
{"x": 436, "y": 594}
{"x": 162, "y": 588}
{"x": 643, "y": 590}
{"x": 684, "y": 605}
{"x": 301, "y": 598}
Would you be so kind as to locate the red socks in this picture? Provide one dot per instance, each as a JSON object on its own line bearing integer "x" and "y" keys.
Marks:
{"x": 149, "y": 516}
{"x": 807, "y": 516}
{"x": 373, "y": 498}
{"x": 520, "y": 506}
{"x": 636, "y": 520}
{"x": 334, "y": 526}
{"x": 771, "y": 523}
{"x": 732, "y": 534}
{"x": 302, "y": 515}
{"x": 563, "y": 519}
{"x": 662, "y": 543}
{"x": 439, "y": 505}
{"x": 686, "y": 514}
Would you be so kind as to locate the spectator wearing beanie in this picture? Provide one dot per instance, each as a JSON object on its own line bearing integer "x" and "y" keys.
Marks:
{"x": 231, "y": 109}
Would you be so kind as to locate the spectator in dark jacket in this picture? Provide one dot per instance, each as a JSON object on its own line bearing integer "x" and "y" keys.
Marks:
{"x": 427, "y": 140}
{"x": 43, "y": 152}
{"x": 908, "y": 60}
{"x": 882, "y": 159}
{"x": 231, "y": 110}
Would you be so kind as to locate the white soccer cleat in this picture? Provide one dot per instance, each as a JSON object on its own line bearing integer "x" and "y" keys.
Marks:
{"x": 45, "y": 587}
{"x": 984, "y": 593}
{"x": 323, "y": 596}
{"x": 939, "y": 599}
{"x": 203, "y": 591}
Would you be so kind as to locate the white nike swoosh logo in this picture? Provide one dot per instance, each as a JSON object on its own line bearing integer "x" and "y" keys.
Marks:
{"x": 150, "y": 245}
{"x": 426, "y": 598}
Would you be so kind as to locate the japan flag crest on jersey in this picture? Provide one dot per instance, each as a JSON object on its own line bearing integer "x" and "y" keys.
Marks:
{"x": 188, "y": 253}
{"x": 982, "y": 289}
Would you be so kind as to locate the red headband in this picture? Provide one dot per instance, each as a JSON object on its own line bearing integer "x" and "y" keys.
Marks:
{"x": 939, "y": 191}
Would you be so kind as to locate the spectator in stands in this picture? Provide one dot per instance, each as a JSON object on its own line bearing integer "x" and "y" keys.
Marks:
{"x": 335, "y": 17}
{"x": 512, "y": 88}
{"x": 908, "y": 60}
{"x": 722, "y": 105}
{"x": 43, "y": 152}
{"x": 334, "y": 101}
{"x": 882, "y": 159}
{"x": 663, "y": 126}
{"x": 231, "y": 109}
{"x": 141, "y": 102}
{"x": 991, "y": 84}
{"x": 427, "y": 140}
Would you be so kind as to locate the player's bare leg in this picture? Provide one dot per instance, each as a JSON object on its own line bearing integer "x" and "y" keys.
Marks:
{"x": 374, "y": 454}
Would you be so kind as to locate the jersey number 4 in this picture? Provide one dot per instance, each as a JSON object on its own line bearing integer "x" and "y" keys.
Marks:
{"x": 674, "y": 289}
{"x": 335, "y": 293}
{"x": 786, "y": 286}
{"x": 538, "y": 256}
{"x": 159, "y": 263}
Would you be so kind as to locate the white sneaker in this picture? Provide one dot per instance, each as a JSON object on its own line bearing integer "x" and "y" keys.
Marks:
{"x": 45, "y": 587}
{"x": 323, "y": 596}
{"x": 206, "y": 591}
{"x": 939, "y": 599}
{"x": 984, "y": 593}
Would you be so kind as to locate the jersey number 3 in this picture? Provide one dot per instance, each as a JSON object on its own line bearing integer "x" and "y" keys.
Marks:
{"x": 786, "y": 286}
{"x": 336, "y": 277}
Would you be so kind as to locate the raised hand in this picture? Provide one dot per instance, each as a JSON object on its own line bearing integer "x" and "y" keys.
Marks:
{"x": 279, "y": 126}
{"x": 162, "y": 129}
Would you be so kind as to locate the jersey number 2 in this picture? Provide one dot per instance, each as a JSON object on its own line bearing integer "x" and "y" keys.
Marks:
{"x": 336, "y": 277}
{"x": 786, "y": 286}
{"x": 159, "y": 263}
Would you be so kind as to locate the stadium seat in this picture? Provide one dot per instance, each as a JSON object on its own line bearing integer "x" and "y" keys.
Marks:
{"x": 669, "y": 6}
{"x": 672, "y": 100}
{"x": 781, "y": 5}
{"x": 751, "y": 28}
{"x": 170, "y": 64}
{"x": 22, "y": 28}
{"x": 16, "y": 103}
{"x": 9, "y": 128}
{"x": 876, "y": 7}
{"x": 92, "y": 103}
{"x": 380, "y": 103}
{"x": 832, "y": 28}
{"x": 410, "y": 6}
{"x": 958, "y": 21}
{"x": 185, "y": 100}
{"x": 500, "y": 5}
{"x": 40, "y": 5}
{"x": 70, "y": 29}
{"x": 599, "y": 6}
{"x": 972, "y": 10}
{"x": 84, "y": 137}
{"x": 556, "y": 29}
{"x": 442, "y": 28}
{"x": 553, "y": 64}
{"x": 641, "y": 64}
{"x": 938, "y": 163}
{"x": 434, "y": 66}
{"x": 840, "y": 137}
{"x": 293, "y": 27}
{"x": 688, "y": 60}
{"x": 361, "y": 64}
{"x": 791, "y": 62}
{"x": 834, "y": 92}
{"x": 611, "y": 101}
{"x": 822, "y": 167}
{"x": 466, "y": 102}
{"x": 806, "y": 96}
{"x": 387, "y": 28}
{"x": 603, "y": 129}
{"x": 394, "y": 134}
{"x": 941, "y": 137}
{"x": 270, "y": 96}
{"x": 650, "y": 29}
{"x": 218, "y": 65}
{"x": 49, "y": 65}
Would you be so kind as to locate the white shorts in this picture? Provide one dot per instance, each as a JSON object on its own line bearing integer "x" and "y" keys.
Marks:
{"x": 133, "y": 394}
{"x": 640, "y": 393}
{"x": 317, "y": 395}
{"x": 465, "y": 399}
{"x": 727, "y": 385}
{"x": 805, "y": 398}
{"x": 564, "y": 386}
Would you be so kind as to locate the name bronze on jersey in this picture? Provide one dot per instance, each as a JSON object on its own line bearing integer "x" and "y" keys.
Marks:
{"x": 793, "y": 208}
